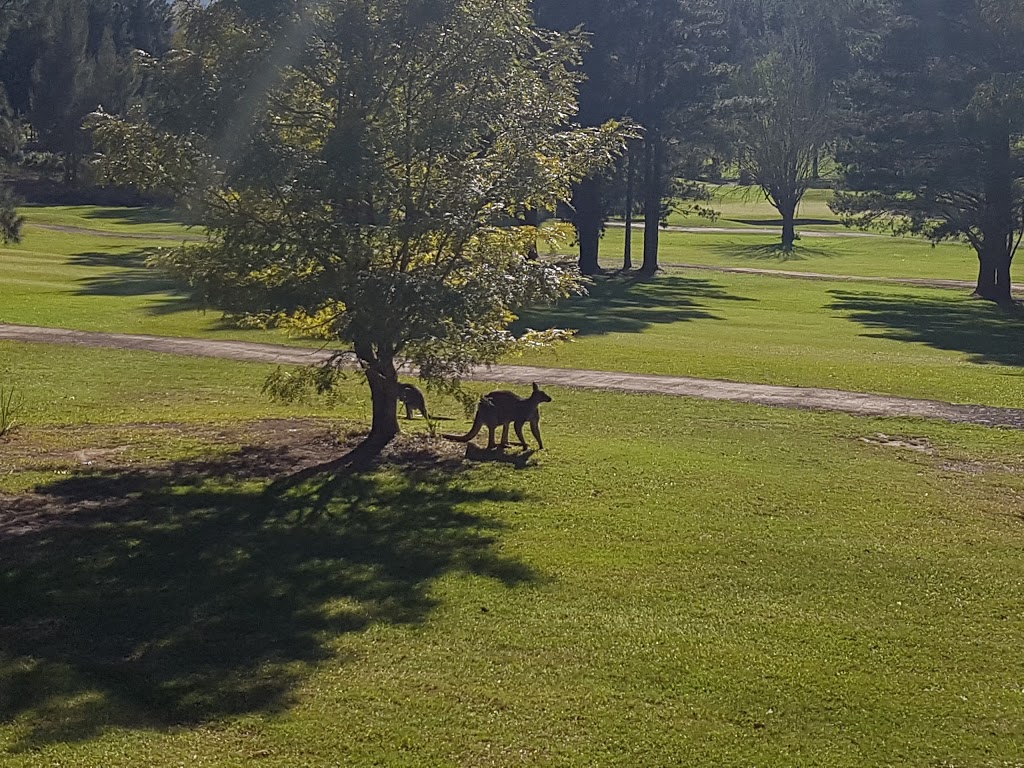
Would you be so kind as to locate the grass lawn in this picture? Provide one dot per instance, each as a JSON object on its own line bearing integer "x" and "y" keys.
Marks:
{"x": 101, "y": 283}
{"x": 672, "y": 582}
{"x": 743, "y": 207}
{"x": 133, "y": 221}
{"x": 914, "y": 342}
{"x": 866, "y": 257}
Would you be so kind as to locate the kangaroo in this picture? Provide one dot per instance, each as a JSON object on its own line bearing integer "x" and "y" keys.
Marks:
{"x": 412, "y": 398}
{"x": 501, "y": 408}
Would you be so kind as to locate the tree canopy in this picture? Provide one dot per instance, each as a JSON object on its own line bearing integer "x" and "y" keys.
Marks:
{"x": 940, "y": 151}
{"x": 361, "y": 185}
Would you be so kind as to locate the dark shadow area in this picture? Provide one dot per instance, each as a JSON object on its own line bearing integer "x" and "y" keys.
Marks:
{"x": 628, "y": 304}
{"x": 772, "y": 252}
{"x": 775, "y": 222}
{"x": 137, "y": 215}
{"x": 131, "y": 277}
{"x": 981, "y": 329}
{"x": 183, "y": 593}
{"x": 514, "y": 456}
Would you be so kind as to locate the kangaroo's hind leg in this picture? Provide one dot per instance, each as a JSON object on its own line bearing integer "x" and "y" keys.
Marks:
{"x": 535, "y": 428}
{"x": 519, "y": 432}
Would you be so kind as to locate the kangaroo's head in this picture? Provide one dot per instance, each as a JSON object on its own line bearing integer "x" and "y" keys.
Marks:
{"x": 539, "y": 395}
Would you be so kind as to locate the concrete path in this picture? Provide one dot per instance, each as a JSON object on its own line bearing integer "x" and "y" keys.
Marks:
{"x": 861, "y": 404}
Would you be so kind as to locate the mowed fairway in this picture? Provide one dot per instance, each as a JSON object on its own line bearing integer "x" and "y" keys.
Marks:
{"x": 927, "y": 343}
{"x": 100, "y": 282}
{"x": 671, "y": 582}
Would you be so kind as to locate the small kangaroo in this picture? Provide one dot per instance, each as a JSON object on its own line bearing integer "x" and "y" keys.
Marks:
{"x": 501, "y": 408}
{"x": 412, "y": 398}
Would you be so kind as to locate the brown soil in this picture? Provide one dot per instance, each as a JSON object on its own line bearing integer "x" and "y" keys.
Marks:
{"x": 104, "y": 475}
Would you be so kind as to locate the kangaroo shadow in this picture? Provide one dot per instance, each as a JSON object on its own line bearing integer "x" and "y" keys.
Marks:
{"x": 622, "y": 304}
{"x": 184, "y": 593}
{"x": 982, "y": 330}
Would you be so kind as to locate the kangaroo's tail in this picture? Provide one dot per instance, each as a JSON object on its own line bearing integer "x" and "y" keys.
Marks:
{"x": 478, "y": 424}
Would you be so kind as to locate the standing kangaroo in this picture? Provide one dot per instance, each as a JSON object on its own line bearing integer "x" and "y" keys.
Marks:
{"x": 501, "y": 408}
{"x": 412, "y": 398}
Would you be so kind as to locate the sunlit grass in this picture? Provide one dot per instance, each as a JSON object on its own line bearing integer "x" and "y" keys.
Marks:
{"x": 671, "y": 580}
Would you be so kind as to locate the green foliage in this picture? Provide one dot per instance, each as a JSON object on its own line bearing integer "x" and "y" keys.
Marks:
{"x": 941, "y": 148}
{"x": 10, "y": 406}
{"x": 366, "y": 194}
{"x": 10, "y": 220}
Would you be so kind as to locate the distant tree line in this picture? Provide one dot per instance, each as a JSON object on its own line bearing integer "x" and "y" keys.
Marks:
{"x": 59, "y": 60}
{"x": 916, "y": 106}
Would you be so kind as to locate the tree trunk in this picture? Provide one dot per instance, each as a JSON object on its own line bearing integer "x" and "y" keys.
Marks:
{"x": 627, "y": 248}
{"x": 383, "y": 380}
{"x": 532, "y": 217}
{"x": 995, "y": 254}
{"x": 653, "y": 196}
{"x": 986, "y": 287}
{"x": 788, "y": 212}
{"x": 588, "y": 218}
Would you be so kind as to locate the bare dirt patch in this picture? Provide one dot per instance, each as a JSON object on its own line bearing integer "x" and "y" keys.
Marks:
{"x": 918, "y": 444}
{"x": 92, "y": 483}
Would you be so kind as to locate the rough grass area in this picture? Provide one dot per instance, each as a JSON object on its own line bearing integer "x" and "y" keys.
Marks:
{"x": 924, "y": 343}
{"x": 672, "y": 582}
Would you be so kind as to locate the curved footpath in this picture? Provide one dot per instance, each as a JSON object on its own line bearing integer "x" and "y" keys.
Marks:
{"x": 861, "y": 404}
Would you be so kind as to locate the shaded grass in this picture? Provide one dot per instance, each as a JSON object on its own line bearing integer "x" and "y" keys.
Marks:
{"x": 180, "y": 594}
{"x": 109, "y": 219}
{"x": 866, "y": 257}
{"x": 102, "y": 284}
{"x": 713, "y": 583}
{"x": 794, "y": 332}
{"x": 985, "y": 333}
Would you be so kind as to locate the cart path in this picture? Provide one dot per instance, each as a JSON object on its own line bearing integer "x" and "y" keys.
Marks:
{"x": 812, "y": 398}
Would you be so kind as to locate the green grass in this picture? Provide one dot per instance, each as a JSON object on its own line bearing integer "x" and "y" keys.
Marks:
{"x": 672, "y": 582}
{"x": 101, "y": 283}
{"x": 155, "y": 221}
{"x": 914, "y": 342}
{"x": 743, "y": 207}
{"x": 865, "y": 257}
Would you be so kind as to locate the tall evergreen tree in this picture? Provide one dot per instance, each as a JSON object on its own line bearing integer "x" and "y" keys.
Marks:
{"x": 655, "y": 62}
{"x": 941, "y": 150}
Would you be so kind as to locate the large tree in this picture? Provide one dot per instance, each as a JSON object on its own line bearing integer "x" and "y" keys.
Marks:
{"x": 655, "y": 62}
{"x": 10, "y": 221}
{"x": 375, "y": 162}
{"x": 787, "y": 105}
{"x": 941, "y": 151}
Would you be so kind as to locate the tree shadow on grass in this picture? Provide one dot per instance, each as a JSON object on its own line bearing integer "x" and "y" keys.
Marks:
{"x": 777, "y": 222}
{"x": 984, "y": 331}
{"x": 770, "y": 252}
{"x": 176, "y": 595}
{"x": 136, "y": 215}
{"x": 130, "y": 276}
{"x": 627, "y": 304}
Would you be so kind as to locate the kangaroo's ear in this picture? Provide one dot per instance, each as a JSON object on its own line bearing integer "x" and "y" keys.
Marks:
{"x": 535, "y": 387}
